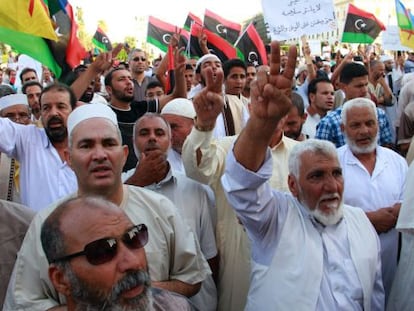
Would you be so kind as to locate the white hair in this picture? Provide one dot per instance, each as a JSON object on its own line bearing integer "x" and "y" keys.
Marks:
{"x": 359, "y": 102}
{"x": 316, "y": 146}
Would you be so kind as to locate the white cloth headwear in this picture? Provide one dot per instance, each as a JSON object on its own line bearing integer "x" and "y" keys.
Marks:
{"x": 89, "y": 111}
{"x": 385, "y": 58}
{"x": 13, "y": 99}
{"x": 206, "y": 57}
{"x": 180, "y": 107}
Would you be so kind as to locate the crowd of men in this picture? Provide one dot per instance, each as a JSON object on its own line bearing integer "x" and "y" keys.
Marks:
{"x": 241, "y": 188}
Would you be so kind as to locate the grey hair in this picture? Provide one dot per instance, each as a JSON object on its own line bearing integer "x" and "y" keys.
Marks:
{"x": 149, "y": 115}
{"x": 315, "y": 146}
{"x": 359, "y": 102}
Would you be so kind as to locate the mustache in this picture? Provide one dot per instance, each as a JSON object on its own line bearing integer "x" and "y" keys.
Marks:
{"x": 54, "y": 119}
{"x": 131, "y": 280}
{"x": 329, "y": 196}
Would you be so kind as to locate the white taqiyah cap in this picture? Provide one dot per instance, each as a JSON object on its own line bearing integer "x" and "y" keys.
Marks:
{"x": 206, "y": 57}
{"x": 180, "y": 107}
{"x": 89, "y": 111}
{"x": 13, "y": 99}
{"x": 385, "y": 58}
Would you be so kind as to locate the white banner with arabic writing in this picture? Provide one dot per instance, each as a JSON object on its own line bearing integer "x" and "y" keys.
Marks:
{"x": 289, "y": 19}
{"x": 391, "y": 39}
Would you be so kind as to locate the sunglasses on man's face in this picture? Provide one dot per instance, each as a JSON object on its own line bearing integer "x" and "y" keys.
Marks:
{"x": 104, "y": 250}
{"x": 136, "y": 59}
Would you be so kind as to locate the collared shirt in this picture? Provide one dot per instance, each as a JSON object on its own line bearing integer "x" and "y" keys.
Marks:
{"x": 311, "y": 122}
{"x": 329, "y": 128}
{"x": 172, "y": 251}
{"x": 44, "y": 177}
{"x": 192, "y": 202}
{"x": 264, "y": 213}
{"x": 370, "y": 192}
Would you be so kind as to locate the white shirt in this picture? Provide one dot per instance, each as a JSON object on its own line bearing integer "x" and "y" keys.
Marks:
{"x": 175, "y": 160}
{"x": 383, "y": 188}
{"x": 309, "y": 127}
{"x": 280, "y": 228}
{"x": 44, "y": 177}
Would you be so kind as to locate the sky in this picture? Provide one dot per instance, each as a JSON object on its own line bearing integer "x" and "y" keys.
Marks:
{"x": 129, "y": 17}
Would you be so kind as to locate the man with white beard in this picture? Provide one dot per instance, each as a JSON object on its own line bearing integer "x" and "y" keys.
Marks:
{"x": 374, "y": 178}
{"x": 307, "y": 251}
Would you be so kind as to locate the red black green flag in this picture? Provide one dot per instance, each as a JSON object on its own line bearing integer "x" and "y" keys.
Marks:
{"x": 250, "y": 47}
{"x": 101, "y": 40}
{"x": 160, "y": 33}
{"x": 361, "y": 26}
{"x": 216, "y": 45}
{"x": 226, "y": 29}
{"x": 191, "y": 18}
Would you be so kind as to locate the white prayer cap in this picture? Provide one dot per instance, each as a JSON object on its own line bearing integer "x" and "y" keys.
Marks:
{"x": 89, "y": 111}
{"x": 13, "y": 99}
{"x": 385, "y": 58}
{"x": 325, "y": 63}
{"x": 205, "y": 58}
{"x": 180, "y": 107}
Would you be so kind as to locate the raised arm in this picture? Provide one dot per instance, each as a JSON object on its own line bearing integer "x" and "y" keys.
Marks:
{"x": 270, "y": 102}
{"x": 180, "y": 88}
{"x": 102, "y": 62}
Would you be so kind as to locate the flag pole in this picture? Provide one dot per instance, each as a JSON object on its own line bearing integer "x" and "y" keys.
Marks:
{"x": 347, "y": 10}
{"x": 242, "y": 34}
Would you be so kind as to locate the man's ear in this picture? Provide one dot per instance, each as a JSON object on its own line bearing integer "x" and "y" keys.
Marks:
{"x": 66, "y": 154}
{"x": 126, "y": 152}
{"x": 293, "y": 185}
{"x": 342, "y": 128}
{"x": 59, "y": 280}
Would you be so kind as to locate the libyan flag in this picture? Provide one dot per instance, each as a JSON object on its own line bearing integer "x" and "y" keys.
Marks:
{"x": 160, "y": 33}
{"x": 250, "y": 47}
{"x": 191, "y": 18}
{"x": 101, "y": 41}
{"x": 216, "y": 45}
{"x": 226, "y": 29}
{"x": 361, "y": 26}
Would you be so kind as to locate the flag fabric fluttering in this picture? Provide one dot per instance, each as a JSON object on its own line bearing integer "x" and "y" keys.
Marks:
{"x": 191, "y": 18}
{"x": 226, "y": 29}
{"x": 160, "y": 33}
{"x": 60, "y": 55}
{"x": 250, "y": 47}
{"x": 405, "y": 24}
{"x": 101, "y": 40}
{"x": 216, "y": 45}
{"x": 68, "y": 51}
{"x": 361, "y": 26}
{"x": 28, "y": 16}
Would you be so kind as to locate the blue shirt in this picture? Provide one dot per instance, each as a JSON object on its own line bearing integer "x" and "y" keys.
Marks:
{"x": 329, "y": 128}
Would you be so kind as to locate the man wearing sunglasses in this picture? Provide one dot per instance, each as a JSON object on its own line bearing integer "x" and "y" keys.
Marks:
{"x": 104, "y": 266}
{"x": 138, "y": 64}
{"x": 96, "y": 155}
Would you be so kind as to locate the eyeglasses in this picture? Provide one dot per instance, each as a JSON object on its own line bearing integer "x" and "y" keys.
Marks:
{"x": 136, "y": 59}
{"x": 104, "y": 250}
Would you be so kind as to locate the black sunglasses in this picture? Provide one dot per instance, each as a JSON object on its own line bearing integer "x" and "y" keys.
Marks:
{"x": 142, "y": 59}
{"x": 104, "y": 250}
